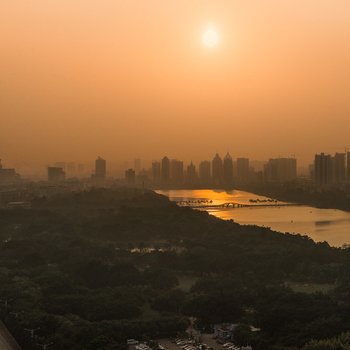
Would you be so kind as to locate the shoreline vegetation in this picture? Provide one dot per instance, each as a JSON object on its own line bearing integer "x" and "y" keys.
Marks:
{"x": 91, "y": 269}
{"x": 331, "y": 199}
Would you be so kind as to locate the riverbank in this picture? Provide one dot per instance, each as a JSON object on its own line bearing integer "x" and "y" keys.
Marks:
{"x": 332, "y": 199}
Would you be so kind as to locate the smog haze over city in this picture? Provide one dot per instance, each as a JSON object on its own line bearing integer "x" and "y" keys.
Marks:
{"x": 128, "y": 79}
{"x": 174, "y": 175}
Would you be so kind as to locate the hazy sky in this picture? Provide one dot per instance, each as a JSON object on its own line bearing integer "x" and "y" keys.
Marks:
{"x": 126, "y": 79}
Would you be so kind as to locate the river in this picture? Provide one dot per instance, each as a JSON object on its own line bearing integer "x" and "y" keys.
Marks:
{"x": 329, "y": 225}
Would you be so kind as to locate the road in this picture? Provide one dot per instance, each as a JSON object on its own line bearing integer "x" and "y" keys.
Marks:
{"x": 7, "y": 342}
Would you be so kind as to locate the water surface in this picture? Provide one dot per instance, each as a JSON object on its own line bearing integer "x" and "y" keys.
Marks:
{"x": 329, "y": 225}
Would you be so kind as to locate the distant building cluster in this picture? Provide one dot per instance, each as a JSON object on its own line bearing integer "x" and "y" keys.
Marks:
{"x": 331, "y": 170}
{"x": 327, "y": 171}
{"x": 173, "y": 173}
{"x": 221, "y": 172}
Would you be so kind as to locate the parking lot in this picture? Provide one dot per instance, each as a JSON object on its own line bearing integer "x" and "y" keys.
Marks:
{"x": 202, "y": 342}
{"x": 206, "y": 342}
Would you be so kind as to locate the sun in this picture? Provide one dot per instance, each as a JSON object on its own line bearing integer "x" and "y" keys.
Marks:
{"x": 210, "y": 37}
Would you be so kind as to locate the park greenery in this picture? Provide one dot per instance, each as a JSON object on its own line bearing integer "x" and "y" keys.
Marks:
{"x": 90, "y": 269}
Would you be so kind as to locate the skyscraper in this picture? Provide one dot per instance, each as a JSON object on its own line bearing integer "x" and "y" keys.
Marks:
{"x": 100, "y": 168}
{"x": 338, "y": 168}
{"x": 217, "y": 170}
{"x": 243, "y": 170}
{"x": 204, "y": 172}
{"x": 191, "y": 175}
{"x": 165, "y": 170}
{"x": 228, "y": 171}
{"x": 323, "y": 169}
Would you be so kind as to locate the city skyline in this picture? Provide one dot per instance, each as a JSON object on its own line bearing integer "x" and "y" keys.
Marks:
{"x": 118, "y": 166}
{"x": 102, "y": 78}
{"x": 220, "y": 172}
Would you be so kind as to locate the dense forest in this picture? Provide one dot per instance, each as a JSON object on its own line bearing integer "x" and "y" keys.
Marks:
{"x": 88, "y": 270}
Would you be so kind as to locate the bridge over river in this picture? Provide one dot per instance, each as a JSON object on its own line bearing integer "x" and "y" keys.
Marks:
{"x": 229, "y": 205}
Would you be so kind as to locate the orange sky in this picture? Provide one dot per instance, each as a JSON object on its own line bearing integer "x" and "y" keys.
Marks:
{"x": 126, "y": 79}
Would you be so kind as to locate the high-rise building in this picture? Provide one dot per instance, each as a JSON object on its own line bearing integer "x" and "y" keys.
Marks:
{"x": 228, "y": 171}
{"x": 100, "y": 168}
{"x": 7, "y": 175}
{"x": 130, "y": 176}
{"x": 165, "y": 170}
{"x": 338, "y": 168}
{"x": 217, "y": 170}
{"x": 243, "y": 170}
{"x": 204, "y": 172}
{"x": 280, "y": 170}
{"x": 55, "y": 174}
{"x": 323, "y": 169}
{"x": 156, "y": 172}
{"x": 176, "y": 171}
{"x": 191, "y": 174}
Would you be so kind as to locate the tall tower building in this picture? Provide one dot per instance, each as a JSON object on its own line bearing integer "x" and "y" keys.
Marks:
{"x": 228, "y": 171}
{"x": 323, "y": 169}
{"x": 191, "y": 175}
{"x": 217, "y": 170}
{"x": 338, "y": 168}
{"x": 100, "y": 168}
{"x": 165, "y": 170}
